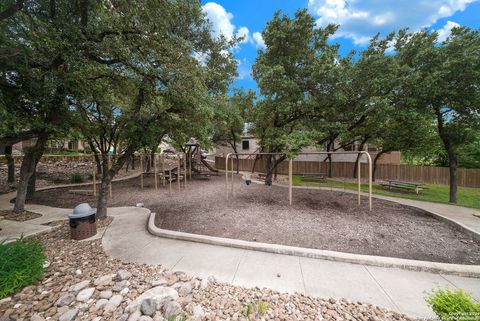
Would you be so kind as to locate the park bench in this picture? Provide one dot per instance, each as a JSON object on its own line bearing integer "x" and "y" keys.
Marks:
{"x": 409, "y": 186}
{"x": 313, "y": 177}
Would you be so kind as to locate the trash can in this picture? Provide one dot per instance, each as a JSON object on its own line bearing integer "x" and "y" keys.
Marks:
{"x": 82, "y": 222}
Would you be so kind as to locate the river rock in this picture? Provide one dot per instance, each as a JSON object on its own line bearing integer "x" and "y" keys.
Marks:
{"x": 123, "y": 275}
{"x": 171, "y": 309}
{"x": 148, "y": 306}
{"x": 65, "y": 300}
{"x": 159, "y": 294}
{"x": 69, "y": 315}
{"x": 79, "y": 286}
{"x": 85, "y": 294}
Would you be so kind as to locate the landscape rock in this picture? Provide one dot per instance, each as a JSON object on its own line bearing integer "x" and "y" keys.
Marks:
{"x": 85, "y": 294}
{"x": 145, "y": 318}
{"x": 119, "y": 286}
{"x": 37, "y": 317}
{"x": 135, "y": 315}
{"x": 65, "y": 300}
{"x": 107, "y": 294}
{"x": 101, "y": 303}
{"x": 103, "y": 280}
{"x": 184, "y": 289}
{"x": 158, "y": 282}
{"x": 159, "y": 294}
{"x": 123, "y": 317}
{"x": 198, "y": 312}
{"x": 113, "y": 303}
{"x": 79, "y": 286}
{"x": 123, "y": 275}
{"x": 171, "y": 309}
{"x": 69, "y": 315}
{"x": 148, "y": 306}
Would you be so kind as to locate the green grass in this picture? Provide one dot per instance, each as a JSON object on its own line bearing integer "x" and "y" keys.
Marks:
{"x": 21, "y": 264}
{"x": 466, "y": 196}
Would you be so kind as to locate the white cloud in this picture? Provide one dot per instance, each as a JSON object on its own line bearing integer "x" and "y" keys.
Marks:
{"x": 220, "y": 19}
{"x": 222, "y": 24}
{"x": 245, "y": 33}
{"x": 446, "y": 30}
{"x": 258, "y": 40}
{"x": 360, "y": 20}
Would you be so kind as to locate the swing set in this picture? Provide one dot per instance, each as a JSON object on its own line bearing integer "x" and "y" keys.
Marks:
{"x": 290, "y": 166}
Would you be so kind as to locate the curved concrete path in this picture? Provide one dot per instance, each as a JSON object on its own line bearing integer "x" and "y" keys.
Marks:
{"x": 395, "y": 289}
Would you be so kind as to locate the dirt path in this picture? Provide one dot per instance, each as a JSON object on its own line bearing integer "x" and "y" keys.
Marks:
{"x": 318, "y": 219}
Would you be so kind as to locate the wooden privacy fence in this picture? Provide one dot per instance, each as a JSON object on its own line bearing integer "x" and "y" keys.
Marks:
{"x": 423, "y": 174}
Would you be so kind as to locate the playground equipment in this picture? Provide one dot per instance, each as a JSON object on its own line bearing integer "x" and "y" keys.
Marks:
{"x": 172, "y": 169}
{"x": 290, "y": 169}
{"x": 198, "y": 164}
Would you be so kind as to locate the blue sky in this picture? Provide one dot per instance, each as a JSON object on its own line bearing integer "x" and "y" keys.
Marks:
{"x": 358, "y": 21}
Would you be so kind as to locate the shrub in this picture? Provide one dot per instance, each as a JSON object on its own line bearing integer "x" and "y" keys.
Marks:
{"x": 453, "y": 305}
{"x": 76, "y": 178}
{"x": 21, "y": 264}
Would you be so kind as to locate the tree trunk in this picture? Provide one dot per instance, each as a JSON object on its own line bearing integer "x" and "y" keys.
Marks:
{"x": 95, "y": 156}
{"x": 377, "y": 157}
{"x": 271, "y": 167}
{"x": 107, "y": 177}
{"x": 103, "y": 196}
{"x": 27, "y": 169}
{"x": 452, "y": 157}
{"x": 10, "y": 164}
{"x": 32, "y": 182}
{"x": 452, "y": 165}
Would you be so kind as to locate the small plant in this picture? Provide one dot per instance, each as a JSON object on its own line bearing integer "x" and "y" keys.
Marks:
{"x": 253, "y": 311}
{"x": 76, "y": 178}
{"x": 21, "y": 264}
{"x": 453, "y": 305}
{"x": 177, "y": 318}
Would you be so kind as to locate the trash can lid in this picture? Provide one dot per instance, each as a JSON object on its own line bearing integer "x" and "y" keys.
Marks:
{"x": 82, "y": 210}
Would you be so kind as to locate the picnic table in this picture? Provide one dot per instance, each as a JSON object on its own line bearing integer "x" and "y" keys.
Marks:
{"x": 410, "y": 186}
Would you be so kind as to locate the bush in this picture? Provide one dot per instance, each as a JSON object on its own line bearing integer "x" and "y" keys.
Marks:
{"x": 453, "y": 305}
{"x": 21, "y": 264}
{"x": 76, "y": 178}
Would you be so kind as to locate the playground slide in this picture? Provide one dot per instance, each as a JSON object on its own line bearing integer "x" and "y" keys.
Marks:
{"x": 210, "y": 167}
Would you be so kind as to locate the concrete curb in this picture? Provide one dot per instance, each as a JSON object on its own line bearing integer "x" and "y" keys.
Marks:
{"x": 413, "y": 265}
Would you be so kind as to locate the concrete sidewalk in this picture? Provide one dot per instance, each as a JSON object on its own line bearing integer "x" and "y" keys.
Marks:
{"x": 395, "y": 289}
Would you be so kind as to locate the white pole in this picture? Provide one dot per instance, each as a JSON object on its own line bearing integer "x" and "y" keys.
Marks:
{"x": 178, "y": 172}
{"x": 94, "y": 180}
{"x": 231, "y": 180}
{"x": 226, "y": 176}
{"x": 155, "y": 170}
{"x": 185, "y": 169}
{"x": 109, "y": 167}
{"x": 290, "y": 163}
{"x": 170, "y": 181}
{"x": 358, "y": 177}
{"x": 141, "y": 168}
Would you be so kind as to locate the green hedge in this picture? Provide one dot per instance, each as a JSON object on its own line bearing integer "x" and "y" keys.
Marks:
{"x": 21, "y": 264}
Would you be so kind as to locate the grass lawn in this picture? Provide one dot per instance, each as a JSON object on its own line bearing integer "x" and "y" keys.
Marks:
{"x": 467, "y": 196}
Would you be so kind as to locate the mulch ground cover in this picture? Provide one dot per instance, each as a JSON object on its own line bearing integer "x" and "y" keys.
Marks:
{"x": 327, "y": 220}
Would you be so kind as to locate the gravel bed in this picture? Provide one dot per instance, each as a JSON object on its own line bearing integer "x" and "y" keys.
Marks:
{"x": 56, "y": 172}
{"x": 320, "y": 219}
{"x": 19, "y": 217}
{"x": 82, "y": 283}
